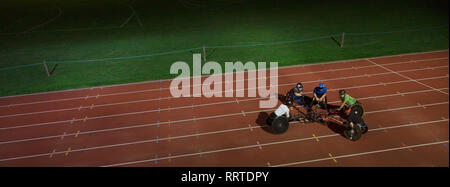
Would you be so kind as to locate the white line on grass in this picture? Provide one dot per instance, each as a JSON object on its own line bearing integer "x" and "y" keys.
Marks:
{"x": 137, "y": 16}
{"x": 129, "y": 18}
{"x": 45, "y": 23}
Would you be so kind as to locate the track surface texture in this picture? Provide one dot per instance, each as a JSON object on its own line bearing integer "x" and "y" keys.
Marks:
{"x": 405, "y": 98}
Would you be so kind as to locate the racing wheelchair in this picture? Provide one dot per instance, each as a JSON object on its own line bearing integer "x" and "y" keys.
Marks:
{"x": 318, "y": 114}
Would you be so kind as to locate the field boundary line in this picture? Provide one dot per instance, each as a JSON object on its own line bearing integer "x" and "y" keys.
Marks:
{"x": 167, "y": 88}
{"x": 284, "y": 67}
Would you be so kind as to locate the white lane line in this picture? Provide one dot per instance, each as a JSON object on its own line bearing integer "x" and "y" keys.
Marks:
{"x": 47, "y": 101}
{"x": 51, "y": 155}
{"x": 281, "y": 85}
{"x": 98, "y": 117}
{"x": 96, "y": 106}
{"x": 42, "y": 112}
{"x": 104, "y": 130}
{"x": 408, "y": 107}
{"x": 266, "y": 144}
{"x": 406, "y": 77}
{"x": 137, "y": 142}
{"x": 259, "y": 145}
{"x": 182, "y": 107}
{"x": 149, "y": 124}
{"x": 150, "y": 90}
{"x": 47, "y": 22}
{"x": 207, "y": 104}
{"x": 331, "y": 79}
{"x": 362, "y": 153}
{"x": 216, "y": 132}
{"x": 286, "y": 67}
{"x": 396, "y": 94}
{"x": 160, "y": 89}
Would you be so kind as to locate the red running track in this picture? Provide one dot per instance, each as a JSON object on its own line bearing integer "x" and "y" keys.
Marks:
{"x": 405, "y": 98}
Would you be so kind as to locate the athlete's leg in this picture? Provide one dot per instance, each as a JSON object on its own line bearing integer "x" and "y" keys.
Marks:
{"x": 325, "y": 101}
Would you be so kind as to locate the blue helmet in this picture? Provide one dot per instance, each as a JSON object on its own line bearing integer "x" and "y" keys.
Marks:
{"x": 321, "y": 85}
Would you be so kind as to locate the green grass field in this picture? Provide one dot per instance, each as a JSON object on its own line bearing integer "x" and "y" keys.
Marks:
{"x": 117, "y": 41}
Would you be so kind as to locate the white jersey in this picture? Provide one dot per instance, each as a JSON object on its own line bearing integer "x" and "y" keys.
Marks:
{"x": 282, "y": 109}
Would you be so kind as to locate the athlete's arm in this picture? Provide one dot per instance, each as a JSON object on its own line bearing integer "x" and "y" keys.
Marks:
{"x": 323, "y": 97}
{"x": 342, "y": 105}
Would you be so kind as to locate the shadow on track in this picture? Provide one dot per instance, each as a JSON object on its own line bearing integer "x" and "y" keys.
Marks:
{"x": 261, "y": 121}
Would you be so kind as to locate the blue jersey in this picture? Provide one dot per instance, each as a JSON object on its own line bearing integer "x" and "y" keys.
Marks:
{"x": 319, "y": 92}
{"x": 294, "y": 90}
{"x": 299, "y": 99}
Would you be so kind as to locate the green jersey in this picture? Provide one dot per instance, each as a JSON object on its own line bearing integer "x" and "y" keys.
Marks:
{"x": 348, "y": 99}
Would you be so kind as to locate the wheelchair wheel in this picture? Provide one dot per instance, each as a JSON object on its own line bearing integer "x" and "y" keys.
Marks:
{"x": 270, "y": 119}
{"x": 364, "y": 127}
{"x": 358, "y": 109}
{"x": 354, "y": 133}
{"x": 280, "y": 125}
